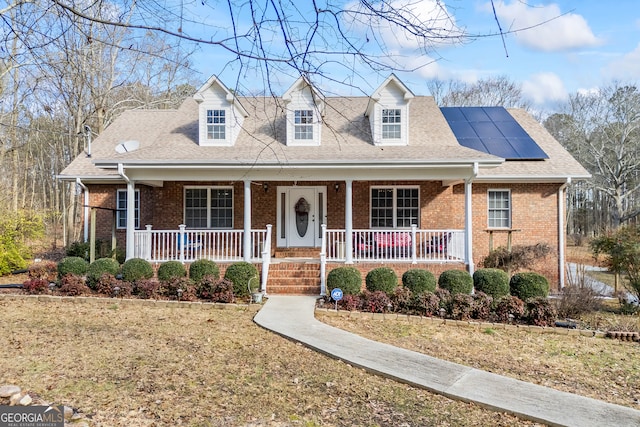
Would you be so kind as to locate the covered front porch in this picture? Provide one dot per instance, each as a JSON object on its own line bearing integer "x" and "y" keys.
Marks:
{"x": 414, "y": 246}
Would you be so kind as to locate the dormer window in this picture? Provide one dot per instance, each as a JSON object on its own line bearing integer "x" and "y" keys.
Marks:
{"x": 303, "y": 124}
{"x": 216, "y": 124}
{"x": 220, "y": 115}
{"x": 388, "y": 112}
{"x": 391, "y": 124}
{"x": 304, "y": 108}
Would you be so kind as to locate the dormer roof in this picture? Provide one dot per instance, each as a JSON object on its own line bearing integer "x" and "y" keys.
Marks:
{"x": 392, "y": 81}
{"x": 214, "y": 84}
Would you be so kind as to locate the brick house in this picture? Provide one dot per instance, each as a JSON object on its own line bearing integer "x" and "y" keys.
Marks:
{"x": 303, "y": 183}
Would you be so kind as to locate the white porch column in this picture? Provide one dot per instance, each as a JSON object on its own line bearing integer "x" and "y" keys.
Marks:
{"x": 468, "y": 226}
{"x": 246, "y": 243}
{"x": 131, "y": 218}
{"x": 561, "y": 232}
{"x": 348, "y": 221}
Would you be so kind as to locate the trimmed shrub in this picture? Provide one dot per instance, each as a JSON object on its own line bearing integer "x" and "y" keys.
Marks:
{"x": 99, "y": 267}
{"x": 47, "y": 270}
{"x": 350, "y": 302}
{"x": 170, "y": 288}
{"x": 348, "y": 279}
{"x": 509, "y": 308}
{"x": 203, "y": 267}
{"x": 106, "y": 284}
{"x": 36, "y": 286}
{"x": 491, "y": 281}
{"x": 456, "y": 281}
{"x": 215, "y": 289}
{"x": 461, "y": 306}
{"x": 445, "y": 298}
{"x": 529, "y": 285}
{"x": 419, "y": 280}
{"x": 541, "y": 312}
{"x": 402, "y": 300}
{"x": 125, "y": 289}
{"x": 427, "y": 304}
{"x": 382, "y": 279}
{"x": 239, "y": 274}
{"x": 481, "y": 306}
{"x": 72, "y": 285}
{"x": 171, "y": 270}
{"x": 147, "y": 288}
{"x": 72, "y": 265}
{"x": 136, "y": 269}
{"x": 375, "y": 302}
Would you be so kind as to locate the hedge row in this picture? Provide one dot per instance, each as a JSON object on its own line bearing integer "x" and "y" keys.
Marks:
{"x": 75, "y": 276}
{"x": 493, "y": 282}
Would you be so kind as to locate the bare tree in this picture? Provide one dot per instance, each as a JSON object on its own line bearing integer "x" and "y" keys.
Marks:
{"x": 493, "y": 91}
{"x": 602, "y": 130}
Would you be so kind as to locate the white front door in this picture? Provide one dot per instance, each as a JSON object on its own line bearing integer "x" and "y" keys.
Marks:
{"x": 301, "y": 211}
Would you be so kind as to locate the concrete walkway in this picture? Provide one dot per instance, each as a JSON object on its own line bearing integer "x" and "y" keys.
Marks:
{"x": 293, "y": 317}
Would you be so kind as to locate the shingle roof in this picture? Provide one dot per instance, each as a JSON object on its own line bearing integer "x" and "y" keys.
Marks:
{"x": 171, "y": 137}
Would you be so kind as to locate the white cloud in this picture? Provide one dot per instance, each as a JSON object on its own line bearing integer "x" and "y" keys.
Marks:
{"x": 410, "y": 17}
{"x": 547, "y": 28}
{"x": 542, "y": 88}
{"x": 625, "y": 68}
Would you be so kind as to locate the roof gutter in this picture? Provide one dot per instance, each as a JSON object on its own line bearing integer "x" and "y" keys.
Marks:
{"x": 562, "y": 231}
{"x": 122, "y": 174}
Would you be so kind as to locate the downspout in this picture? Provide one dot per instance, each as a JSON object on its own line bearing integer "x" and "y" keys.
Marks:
{"x": 131, "y": 216}
{"x": 86, "y": 208}
{"x": 468, "y": 219}
{"x": 561, "y": 231}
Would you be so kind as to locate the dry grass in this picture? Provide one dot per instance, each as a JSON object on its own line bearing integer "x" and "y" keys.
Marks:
{"x": 595, "y": 367}
{"x": 156, "y": 365}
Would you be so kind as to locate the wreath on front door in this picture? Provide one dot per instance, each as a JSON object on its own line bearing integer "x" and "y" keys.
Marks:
{"x": 302, "y": 206}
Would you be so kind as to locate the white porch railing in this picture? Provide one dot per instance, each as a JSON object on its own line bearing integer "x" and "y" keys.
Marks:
{"x": 189, "y": 245}
{"x": 396, "y": 245}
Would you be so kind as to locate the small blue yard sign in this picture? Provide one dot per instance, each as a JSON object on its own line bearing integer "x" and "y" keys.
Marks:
{"x": 336, "y": 295}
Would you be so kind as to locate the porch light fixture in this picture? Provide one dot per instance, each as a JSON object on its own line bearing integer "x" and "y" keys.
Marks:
{"x": 337, "y": 186}
{"x": 266, "y": 187}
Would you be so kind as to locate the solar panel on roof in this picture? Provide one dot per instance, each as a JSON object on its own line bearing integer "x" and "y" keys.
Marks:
{"x": 492, "y": 130}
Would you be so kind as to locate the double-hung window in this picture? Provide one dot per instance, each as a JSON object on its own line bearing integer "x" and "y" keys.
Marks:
{"x": 499, "y": 215}
{"x": 391, "y": 123}
{"x": 394, "y": 207}
{"x": 303, "y": 124}
{"x": 216, "y": 124}
{"x": 208, "y": 207}
{"x": 121, "y": 208}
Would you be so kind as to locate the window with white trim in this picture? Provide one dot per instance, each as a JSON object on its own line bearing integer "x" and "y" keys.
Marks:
{"x": 216, "y": 124}
{"x": 499, "y": 202}
{"x": 303, "y": 124}
{"x": 208, "y": 207}
{"x": 391, "y": 123}
{"x": 394, "y": 207}
{"x": 121, "y": 208}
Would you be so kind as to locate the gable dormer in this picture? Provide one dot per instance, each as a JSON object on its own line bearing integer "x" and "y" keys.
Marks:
{"x": 388, "y": 112}
{"x": 220, "y": 115}
{"x": 304, "y": 109}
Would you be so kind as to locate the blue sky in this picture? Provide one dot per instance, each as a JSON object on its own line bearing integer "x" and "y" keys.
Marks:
{"x": 585, "y": 44}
